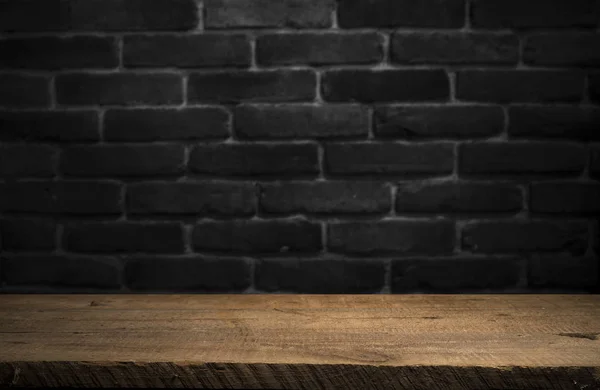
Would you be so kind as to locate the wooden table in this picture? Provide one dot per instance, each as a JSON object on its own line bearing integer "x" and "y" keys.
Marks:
{"x": 301, "y": 341}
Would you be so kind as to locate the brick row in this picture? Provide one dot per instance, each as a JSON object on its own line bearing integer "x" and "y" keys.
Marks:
{"x": 233, "y": 50}
{"x": 288, "y": 236}
{"x": 228, "y": 198}
{"x": 297, "y": 197}
{"x": 168, "y": 160}
{"x": 291, "y": 121}
{"x": 168, "y": 15}
{"x": 326, "y": 48}
{"x": 194, "y": 273}
{"x": 225, "y": 87}
{"x": 479, "y": 159}
{"x": 287, "y": 86}
{"x": 97, "y": 15}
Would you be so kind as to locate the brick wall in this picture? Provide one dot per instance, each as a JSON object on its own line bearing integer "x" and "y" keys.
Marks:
{"x": 299, "y": 145}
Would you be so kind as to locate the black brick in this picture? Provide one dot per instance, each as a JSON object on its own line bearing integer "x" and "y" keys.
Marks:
{"x": 119, "y": 89}
{"x": 72, "y": 197}
{"x": 594, "y": 87}
{"x": 565, "y": 197}
{"x": 247, "y": 86}
{"x": 133, "y": 15}
{"x": 566, "y": 122}
{"x": 454, "y": 48}
{"x": 204, "y": 198}
{"x": 563, "y": 271}
{"x": 384, "y": 237}
{"x": 325, "y": 197}
{"x": 455, "y": 275}
{"x": 385, "y": 85}
{"x": 301, "y": 121}
{"x": 20, "y": 91}
{"x": 196, "y": 51}
{"x": 59, "y": 126}
{"x": 267, "y": 13}
{"x": 458, "y": 197}
{"x": 415, "y": 122}
{"x": 200, "y": 274}
{"x": 62, "y": 271}
{"x": 320, "y": 276}
{"x": 534, "y": 13}
{"x": 27, "y": 160}
{"x": 389, "y": 159}
{"x": 255, "y": 159}
{"x": 123, "y": 161}
{"x": 563, "y": 49}
{"x": 319, "y": 49}
{"x": 473, "y": 158}
{"x": 27, "y": 234}
{"x": 504, "y": 86}
{"x": 166, "y": 124}
{"x": 530, "y": 236}
{"x": 273, "y": 236}
{"x": 401, "y": 13}
{"x": 59, "y": 53}
{"x": 118, "y": 237}
{"x": 34, "y": 15}
{"x": 521, "y": 158}
{"x": 595, "y": 162}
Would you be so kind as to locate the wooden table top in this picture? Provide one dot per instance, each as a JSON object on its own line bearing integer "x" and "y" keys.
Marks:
{"x": 301, "y": 341}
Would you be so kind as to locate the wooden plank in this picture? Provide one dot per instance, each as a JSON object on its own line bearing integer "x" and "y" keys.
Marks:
{"x": 301, "y": 341}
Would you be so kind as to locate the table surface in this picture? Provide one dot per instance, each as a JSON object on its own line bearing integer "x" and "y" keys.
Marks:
{"x": 482, "y": 331}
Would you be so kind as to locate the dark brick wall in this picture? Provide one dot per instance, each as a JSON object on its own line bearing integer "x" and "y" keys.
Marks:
{"x": 313, "y": 146}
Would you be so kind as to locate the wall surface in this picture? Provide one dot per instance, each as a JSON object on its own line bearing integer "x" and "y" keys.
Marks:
{"x": 356, "y": 146}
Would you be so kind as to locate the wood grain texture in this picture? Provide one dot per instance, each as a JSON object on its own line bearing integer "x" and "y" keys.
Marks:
{"x": 301, "y": 341}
